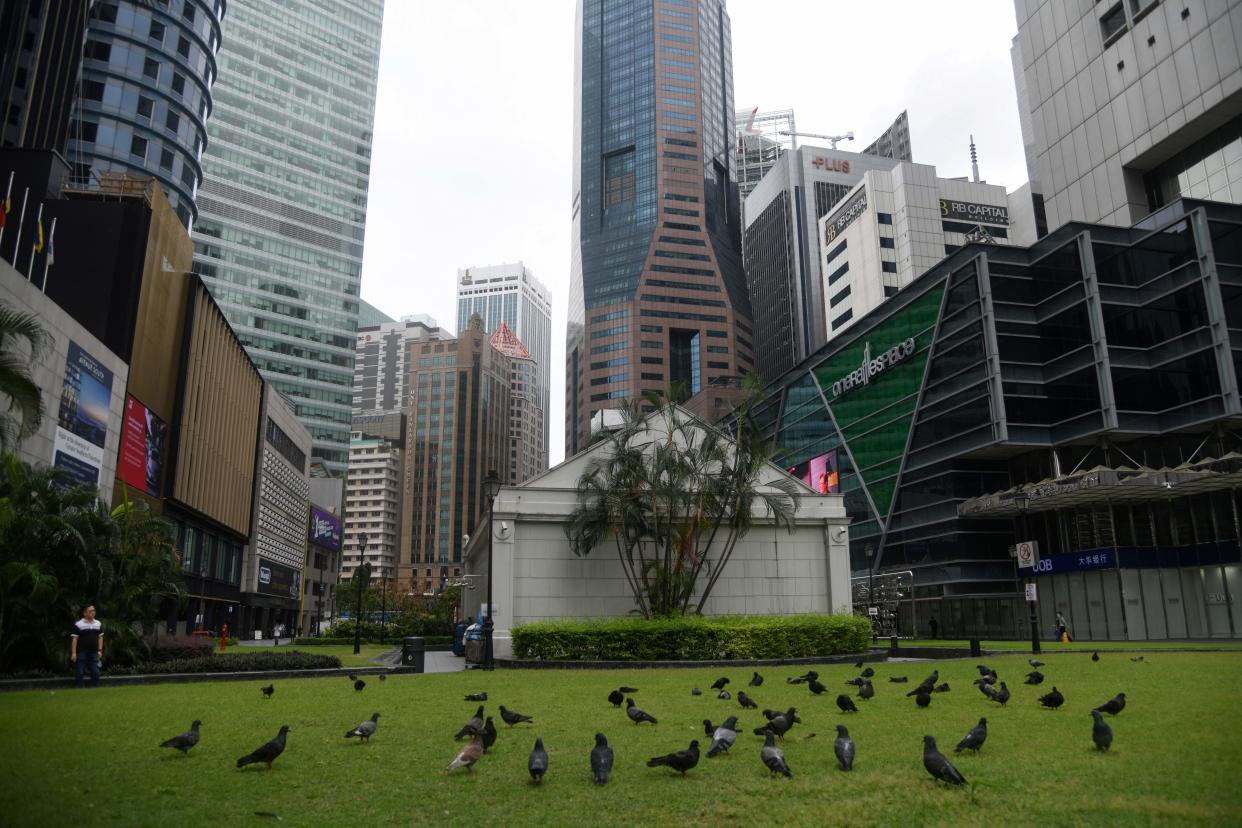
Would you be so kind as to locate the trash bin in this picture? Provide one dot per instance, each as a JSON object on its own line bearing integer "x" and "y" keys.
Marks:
{"x": 975, "y": 650}
{"x": 474, "y": 651}
{"x": 459, "y": 638}
{"x": 413, "y": 653}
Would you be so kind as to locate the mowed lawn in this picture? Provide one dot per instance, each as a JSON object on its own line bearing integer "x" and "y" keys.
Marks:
{"x": 367, "y": 653}
{"x": 90, "y": 757}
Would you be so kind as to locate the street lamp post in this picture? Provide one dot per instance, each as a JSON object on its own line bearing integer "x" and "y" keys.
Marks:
{"x": 383, "y": 605}
{"x": 491, "y": 488}
{"x": 1023, "y": 500}
{"x": 361, "y": 573}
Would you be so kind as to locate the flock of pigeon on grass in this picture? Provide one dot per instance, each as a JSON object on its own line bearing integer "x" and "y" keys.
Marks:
{"x": 482, "y": 733}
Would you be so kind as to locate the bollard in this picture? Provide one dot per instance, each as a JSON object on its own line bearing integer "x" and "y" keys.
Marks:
{"x": 892, "y": 646}
{"x": 413, "y": 653}
{"x": 975, "y": 649}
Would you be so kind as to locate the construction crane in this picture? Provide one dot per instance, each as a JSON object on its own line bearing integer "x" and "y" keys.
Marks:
{"x": 834, "y": 139}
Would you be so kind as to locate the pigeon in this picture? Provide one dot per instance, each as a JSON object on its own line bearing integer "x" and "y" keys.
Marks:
{"x": 858, "y": 664}
{"x": 616, "y": 697}
{"x": 941, "y": 688}
{"x": 353, "y": 677}
{"x": 927, "y": 685}
{"x": 1114, "y": 705}
{"x": 358, "y": 685}
{"x": 773, "y": 757}
{"x": 746, "y": 701}
{"x": 866, "y": 691}
{"x": 898, "y": 679}
{"x": 771, "y": 714}
{"x": 637, "y": 716}
{"x": 724, "y": 694}
{"x": 1034, "y": 662}
{"x": 475, "y": 725}
{"x": 723, "y": 737}
{"x": 846, "y": 704}
{"x": 792, "y": 680}
{"x": 1101, "y": 733}
{"x": 1095, "y": 656}
{"x": 268, "y": 752}
{"x": 365, "y": 730}
{"x": 708, "y": 728}
{"x": 856, "y": 682}
{"x": 489, "y": 734}
{"x": 695, "y": 692}
{"x": 780, "y": 723}
{"x": 513, "y": 717}
{"x": 1136, "y": 658}
{"x": 476, "y": 697}
{"x": 1034, "y": 677}
{"x": 601, "y": 760}
{"x": 809, "y": 675}
{"x": 868, "y": 673}
{"x": 468, "y": 755}
{"x": 989, "y": 691}
{"x": 938, "y": 765}
{"x": 988, "y": 679}
{"x": 1052, "y": 700}
{"x": 383, "y": 677}
{"x": 923, "y": 699}
{"x": 756, "y": 680}
{"x": 625, "y": 689}
{"x": 537, "y": 764}
{"x": 268, "y": 691}
{"x": 975, "y": 738}
{"x": 984, "y": 669}
{"x": 185, "y": 741}
{"x": 720, "y": 683}
{"x": 815, "y": 687}
{"x": 843, "y": 747}
{"x": 1001, "y": 695}
{"x": 679, "y": 760}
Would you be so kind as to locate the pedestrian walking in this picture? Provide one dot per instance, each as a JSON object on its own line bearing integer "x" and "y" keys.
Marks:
{"x": 86, "y": 647}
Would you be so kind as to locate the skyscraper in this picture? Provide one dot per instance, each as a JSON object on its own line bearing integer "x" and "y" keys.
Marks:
{"x": 657, "y": 294}
{"x": 283, "y": 203}
{"x": 146, "y": 94}
{"x": 762, "y": 138}
{"x": 510, "y": 294}
{"x": 528, "y": 451}
{"x": 40, "y": 55}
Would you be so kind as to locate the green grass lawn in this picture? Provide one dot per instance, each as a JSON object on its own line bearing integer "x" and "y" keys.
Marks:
{"x": 1049, "y": 646}
{"x": 90, "y": 757}
{"x": 345, "y": 652}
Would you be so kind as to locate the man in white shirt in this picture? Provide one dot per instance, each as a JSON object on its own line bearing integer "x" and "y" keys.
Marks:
{"x": 86, "y": 646}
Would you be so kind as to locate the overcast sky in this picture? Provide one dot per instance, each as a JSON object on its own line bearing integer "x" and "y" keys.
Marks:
{"x": 474, "y": 124}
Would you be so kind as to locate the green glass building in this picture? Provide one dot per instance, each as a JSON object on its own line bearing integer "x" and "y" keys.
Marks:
{"x": 282, "y": 207}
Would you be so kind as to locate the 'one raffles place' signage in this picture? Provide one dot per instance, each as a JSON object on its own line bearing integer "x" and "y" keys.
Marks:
{"x": 871, "y": 366}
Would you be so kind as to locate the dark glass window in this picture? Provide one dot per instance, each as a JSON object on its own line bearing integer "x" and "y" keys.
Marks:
{"x": 106, "y": 12}
{"x": 178, "y": 83}
{"x": 884, "y": 218}
{"x": 151, "y": 68}
{"x": 156, "y": 32}
{"x": 145, "y": 105}
{"x": 138, "y": 146}
{"x": 840, "y": 297}
{"x": 843, "y": 318}
{"x": 93, "y": 90}
{"x": 183, "y": 47}
{"x": 886, "y": 242}
{"x": 172, "y": 121}
{"x": 684, "y": 360}
{"x": 166, "y": 158}
{"x": 838, "y": 273}
{"x": 95, "y": 50}
{"x": 888, "y": 267}
{"x": 1112, "y": 22}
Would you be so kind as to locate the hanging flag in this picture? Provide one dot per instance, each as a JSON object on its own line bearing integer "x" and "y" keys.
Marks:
{"x": 6, "y": 206}
{"x": 51, "y": 246}
{"x": 39, "y": 243}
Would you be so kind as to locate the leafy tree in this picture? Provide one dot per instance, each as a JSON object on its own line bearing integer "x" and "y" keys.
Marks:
{"x": 676, "y": 496}
{"x": 25, "y": 408}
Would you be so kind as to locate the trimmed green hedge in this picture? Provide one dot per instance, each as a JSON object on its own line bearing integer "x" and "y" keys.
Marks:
{"x": 392, "y": 641}
{"x": 693, "y": 639}
{"x": 251, "y": 662}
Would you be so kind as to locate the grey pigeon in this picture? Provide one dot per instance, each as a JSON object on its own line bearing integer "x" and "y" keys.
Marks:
{"x": 792, "y": 680}
{"x": 868, "y": 673}
{"x": 1114, "y": 705}
{"x": 489, "y": 734}
{"x": 923, "y": 699}
{"x": 989, "y": 691}
{"x": 780, "y": 723}
{"x": 938, "y": 765}
{"x": 513, "y": 717}
{"x": 537, "y": 764}
{"x": 695, "y": 692}
{"x": 898, "y": 679}
{"x": 846, "y": 704}
{"x": 475, "y": 725}
{"x": 601, "y": 760}
{"x": 1136, "y": 658}
{"x": 941, "y": 688}
{"x": 468, "y": 755}
{"x": 867, "y": 691}
{"x": 267, "y": 752}
{"x": 268, "y": 691}
{"x": 185, "y": 741}
{"x": 353, "y": 677}
{"x": 1034, "y": 662}
{"x": 989, "y": 679}
{"x": 1101, "y": 733}
{"x": 815, "y": 687}
{"x": 858, "y": 664}
{"x": 773, "y": 757}
{"x": 927, "y": 685}
{"x": 477, "y": 697}
{"x": 975, "y": 738}
{"x": 365, "y": 730}
{"x": 857, "y": 682}
{"x": 1034, "y": 677}
{"x": 383, "y": 677}
{"x": 1001, "y": 695}
{"x": 1052, "y": 700}
{"x": 724, "y": 695}
{"x": 616, "y": 697}
{"x": 358, "y": 685}
{"x": 1095, "y": 656}
{"x": 983, "y": 669}
{"x": 843, "y": 747}
{"x": 746, "y": 701}
{"x": 637, "y": 716}
{"x": 723, "y": 737}
{"x": 809, "y": 675}
{"x": 720, "y": 683}
{"x": 756, "y": 679}
{"x": 679, "y": 760}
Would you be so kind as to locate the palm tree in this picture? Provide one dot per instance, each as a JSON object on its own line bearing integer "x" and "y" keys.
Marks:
{"x": 25, "y": 398}
{"x": 675, "y": 501}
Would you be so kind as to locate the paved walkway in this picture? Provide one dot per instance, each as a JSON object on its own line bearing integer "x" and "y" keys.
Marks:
{"x": 434, "y": 661}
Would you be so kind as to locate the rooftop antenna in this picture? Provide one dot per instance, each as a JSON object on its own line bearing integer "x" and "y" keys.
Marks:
{"x": 974, "y": 160}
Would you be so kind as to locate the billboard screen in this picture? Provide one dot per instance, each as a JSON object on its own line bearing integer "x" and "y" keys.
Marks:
{"x": 325, "y": 529}
{"x": 144, "y": 440}
{"x": 82, "y": 422}
{"x": 820, "y": 473}
{"x": 278, "y": 580}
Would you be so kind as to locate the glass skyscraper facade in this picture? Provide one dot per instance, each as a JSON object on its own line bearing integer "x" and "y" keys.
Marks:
{"x": 656, "y": 265}
{"x": 284, "y": 197}
{"x": 146, "y": 94}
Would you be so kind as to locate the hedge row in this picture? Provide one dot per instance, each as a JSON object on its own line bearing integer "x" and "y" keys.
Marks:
{"x": 391, "y": 640}
{"x": 693, "y": 639}
{"x": 251, "y": 662}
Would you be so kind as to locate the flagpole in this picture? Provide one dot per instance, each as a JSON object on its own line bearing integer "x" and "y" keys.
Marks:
{"x": 34, "y": 247}
{"x": 51, "y": 249}
{"x": 21, "y": 222}
{"x": 4, "y": 206}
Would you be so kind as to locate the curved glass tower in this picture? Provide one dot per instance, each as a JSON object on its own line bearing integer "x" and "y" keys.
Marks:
{"x": 145, "y": 96}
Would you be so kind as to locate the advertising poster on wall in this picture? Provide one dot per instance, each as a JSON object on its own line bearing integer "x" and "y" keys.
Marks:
{"x": 278, "y": 580}
{"x": 82, "y": 422}
{"x": 325, "y": 529}
{"x": 144, "y": 440}
{"x": 820, "y": 473}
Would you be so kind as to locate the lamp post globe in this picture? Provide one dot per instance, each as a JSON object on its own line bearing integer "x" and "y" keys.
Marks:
{"x": 491, "y": 488}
